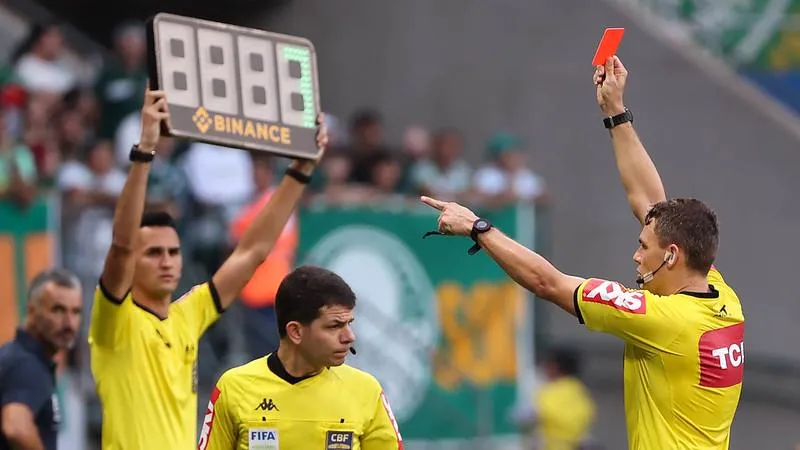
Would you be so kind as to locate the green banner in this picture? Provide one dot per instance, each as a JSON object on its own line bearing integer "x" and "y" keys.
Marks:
{"x": 26, "y": 245}
{"x": 448, "y": 335}
{"x": 756, "y": 33}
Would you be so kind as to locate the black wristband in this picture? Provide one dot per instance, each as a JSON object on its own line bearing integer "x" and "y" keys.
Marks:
{"x": 137, "y": 155}
{"x": 299, "y": 176}
{"x": 619, "y": 119}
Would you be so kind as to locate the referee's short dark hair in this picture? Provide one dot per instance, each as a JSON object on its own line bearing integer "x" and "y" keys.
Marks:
{"x": 305, "y": 291}
{"x": 691, "y": 225}
{"x": 158, "y": 219}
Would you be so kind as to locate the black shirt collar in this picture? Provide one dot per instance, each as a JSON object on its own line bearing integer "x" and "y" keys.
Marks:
{"x": 29, "y": 343}
{"x": 714, "y": 293}
{"x": 276, "y": 366}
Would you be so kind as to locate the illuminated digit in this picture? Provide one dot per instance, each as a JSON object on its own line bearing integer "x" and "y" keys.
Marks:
{"x": 217, "y": 71}
{"x": 295, "y": 84}
{"x": 256, "y": 66}
{"x": 177, "y": 49}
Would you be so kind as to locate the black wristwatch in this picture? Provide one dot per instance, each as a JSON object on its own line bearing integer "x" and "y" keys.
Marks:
{"x": 138, "y": 155}
{"x": 480, "y": 226}
{"x": 619, "y": 119}
{"x": 299, "y": 176}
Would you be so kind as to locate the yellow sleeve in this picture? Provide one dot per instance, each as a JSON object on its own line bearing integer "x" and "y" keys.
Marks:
{"x": 639, "y": 317}
{"x": 200, "y": 307}
{"x": 219, "y": 432}
{"x": 110, "y": 323}
{"x": 714, "y": 276}
{"x": 382, "y": 432}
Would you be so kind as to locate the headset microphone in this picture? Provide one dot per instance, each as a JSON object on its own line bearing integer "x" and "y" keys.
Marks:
{"x": 353, "y": 350}
{"x": 648, "y": 276}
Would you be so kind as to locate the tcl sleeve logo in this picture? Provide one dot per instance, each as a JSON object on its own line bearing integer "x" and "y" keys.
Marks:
{"x": 208, "y": 420}
{"x": 614, "y": 295}
{"x": 722, "y": 357}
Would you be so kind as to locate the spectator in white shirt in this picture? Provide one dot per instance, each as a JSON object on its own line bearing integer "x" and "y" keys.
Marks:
{"x": 40, "y": 66}
{"x": 445, "y": 175}
{"x": 507, "y": 177}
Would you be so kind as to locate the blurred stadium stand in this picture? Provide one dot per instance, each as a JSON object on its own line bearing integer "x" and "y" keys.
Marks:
{"x": 698, "y": 95}
{"x": 83, "y": 14}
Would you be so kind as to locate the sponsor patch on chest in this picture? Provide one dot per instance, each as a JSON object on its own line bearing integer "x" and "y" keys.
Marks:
{"x": 722, "y": 357}
{"x": 339, "y": 440}
{"x": 262, "y": 439}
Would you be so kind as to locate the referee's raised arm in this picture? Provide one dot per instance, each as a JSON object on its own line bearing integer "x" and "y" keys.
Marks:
{"x": 118, "y": 270}
{"x": 260, "y": 237}
{"x": 637, "y": 171}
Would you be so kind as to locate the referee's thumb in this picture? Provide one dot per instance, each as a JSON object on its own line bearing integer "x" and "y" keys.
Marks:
{"x": 610, "y": 75}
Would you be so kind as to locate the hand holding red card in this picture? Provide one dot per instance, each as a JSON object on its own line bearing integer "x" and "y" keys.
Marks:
{"x": 609, "y": 81}
{"x": 608, "y": 45}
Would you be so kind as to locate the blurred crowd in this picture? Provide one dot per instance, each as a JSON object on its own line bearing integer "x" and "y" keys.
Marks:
{"x": 71, "y": 135}
{"x": 68, "y": 134}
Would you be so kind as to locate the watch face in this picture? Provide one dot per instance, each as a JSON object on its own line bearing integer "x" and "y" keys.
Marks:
{"x": 481, "y": 225}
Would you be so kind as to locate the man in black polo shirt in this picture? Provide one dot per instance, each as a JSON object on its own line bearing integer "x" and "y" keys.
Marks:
{"x": 30, "y": 413}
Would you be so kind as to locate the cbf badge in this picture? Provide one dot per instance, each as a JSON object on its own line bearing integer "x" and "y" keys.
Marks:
{"x": 262, "y": 439}
{"x": 339, "y": 440}
{"x": 234, "y": 86}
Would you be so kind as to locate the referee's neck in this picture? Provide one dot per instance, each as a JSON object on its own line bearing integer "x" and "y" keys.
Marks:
{"x": 294, "y": 363}
{"x": 158, "y": 307}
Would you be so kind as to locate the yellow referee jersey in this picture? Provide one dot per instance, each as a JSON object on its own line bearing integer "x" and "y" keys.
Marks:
{"x": 565, "y": 412}
{"x": 258, "y": 406}
{"x": 145, "y": 368}
{"x": 684, "y": 360}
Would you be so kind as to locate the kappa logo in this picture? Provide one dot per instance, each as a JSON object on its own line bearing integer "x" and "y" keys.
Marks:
{"x": 614, "y": 295}
{"x": 267, "y": 405}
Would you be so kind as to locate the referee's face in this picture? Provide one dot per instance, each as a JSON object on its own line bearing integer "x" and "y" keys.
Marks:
{"x": 158, "y": 269}
{"x": 328, "y": 339}
{"x": 649, "y": 256}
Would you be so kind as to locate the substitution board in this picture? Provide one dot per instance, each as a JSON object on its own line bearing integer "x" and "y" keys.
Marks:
{"x": 235, "y": 86}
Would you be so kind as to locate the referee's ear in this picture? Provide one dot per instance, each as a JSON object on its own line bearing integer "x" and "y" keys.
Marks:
{"x": 294, "y": 332}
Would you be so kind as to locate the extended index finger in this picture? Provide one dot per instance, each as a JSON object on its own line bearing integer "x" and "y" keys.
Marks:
{"x": 432, "y": 202}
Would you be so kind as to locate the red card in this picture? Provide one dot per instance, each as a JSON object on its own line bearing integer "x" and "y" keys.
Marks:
{"x": 608, "y": 45}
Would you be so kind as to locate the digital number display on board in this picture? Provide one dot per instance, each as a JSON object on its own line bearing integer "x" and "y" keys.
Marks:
{"x": 235, "y": 86}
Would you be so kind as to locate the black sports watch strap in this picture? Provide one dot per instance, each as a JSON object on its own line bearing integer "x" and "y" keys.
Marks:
{"x": 478, "y": 227}
{"x": 619, "y": 119}
{"x": 299, "y": 176}
{"x": 138, "y": 155}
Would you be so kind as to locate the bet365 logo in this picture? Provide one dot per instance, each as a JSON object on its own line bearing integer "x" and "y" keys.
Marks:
{"x": 613, "y": 294}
